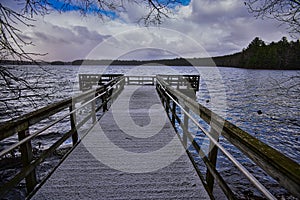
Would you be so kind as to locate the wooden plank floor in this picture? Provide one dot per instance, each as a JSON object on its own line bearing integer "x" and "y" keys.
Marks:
{"x": 132, "y": 153}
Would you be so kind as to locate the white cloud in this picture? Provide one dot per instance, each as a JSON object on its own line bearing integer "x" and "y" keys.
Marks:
{"x": 147, "y": 40}
{"x": 221, "y": 27}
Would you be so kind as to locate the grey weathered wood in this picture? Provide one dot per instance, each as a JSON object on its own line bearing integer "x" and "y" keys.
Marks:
{"x": 213, "y": 171}
{"x": 27, "y": 157}
{"x": 173, "y": 113}
{"x": 15, "y": 125}
{"x": 82, "y": 176}
{"x": 140, "y": 80}
{"x": 93, "y": 111}
{"x": 212, "y": 156}
{"x": 21, "y": 125}
{"x": 167, "y": 100}
{"x": 210, "y": 166}
{"x": 186, "y": 128}
{"x": 280, "y": 167}
{"x": 182, "y": 82}
{"x": 87, "y": 81}
{"x": 28, "y": 169}
{"x": 104, "y": 103}
{"x": 73, "y": 125}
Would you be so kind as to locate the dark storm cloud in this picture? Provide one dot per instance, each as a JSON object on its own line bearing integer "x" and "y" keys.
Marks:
{"x": 83, "y": 33}
{"x": 148, "y": 54}
{"x": 65, "y": 43}
{"x": 207, "y": 11}
{"x": 226, "y": 26}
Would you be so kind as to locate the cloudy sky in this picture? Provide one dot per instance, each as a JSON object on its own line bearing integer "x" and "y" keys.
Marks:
{"x": 201, "y": 28}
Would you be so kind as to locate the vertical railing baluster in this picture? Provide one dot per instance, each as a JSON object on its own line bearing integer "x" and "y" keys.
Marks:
{"x": 167, "y": 104}
{"x": 93, "y": 109}
{"x": 163, "y": 97}
{"x": 27, "y": 157}
{"x": 73, "y": 124}
{"x": 173, "y": 113}
{"x": 212, "y": 156}
{"x": 123, "y": 83}
{"x": 104, "y": 101}
{"x": 186, "y": 127}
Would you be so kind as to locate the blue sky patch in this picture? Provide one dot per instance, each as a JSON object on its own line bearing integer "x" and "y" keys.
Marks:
{"x": 92, "y": 9}
{"x": 61, "y": 6}
{"x": 175, "y": 3}
{"x": 73, "y": 6}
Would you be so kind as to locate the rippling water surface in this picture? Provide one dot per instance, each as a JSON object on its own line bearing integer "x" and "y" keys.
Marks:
{"x": 264, "y": 103}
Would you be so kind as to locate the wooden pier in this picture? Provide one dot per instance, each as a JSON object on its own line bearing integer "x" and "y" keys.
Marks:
{"x": 83, "y": 176}
{"x": 133, "y": 142}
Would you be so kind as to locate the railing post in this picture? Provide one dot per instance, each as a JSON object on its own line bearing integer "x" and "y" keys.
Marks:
{"x": 186, "y": 127}
{"x": 104, "y": 101}
{"x": 163, "y": 94}
{"x": 167, "y": 104}
{"x": 27, "y": 157}
{"x": 212, "y": 156}
{"x": 122, "y": 83}
{"x": 73, "y": 125}
{"x": 93, "y": 110}
{"x": 173, "y": 113}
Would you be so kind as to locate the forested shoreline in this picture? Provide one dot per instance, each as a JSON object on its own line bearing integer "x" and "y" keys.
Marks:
{"x": 279, "y": 55}
{"x": 283, "y": 54}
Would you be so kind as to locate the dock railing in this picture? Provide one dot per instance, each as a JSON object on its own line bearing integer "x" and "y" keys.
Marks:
{"x": 140, "y": 80}
{"x": 21, "y": 125}
{"x": 180, "y": 82}
{"x": 274, "y": 163}
{"x": 281, "y": 168}
{"x": 87, "y": 81}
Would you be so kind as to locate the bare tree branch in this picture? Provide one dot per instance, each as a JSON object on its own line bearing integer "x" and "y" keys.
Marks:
{"x": 12, "y": 43}
{"x": 285, "y": 11}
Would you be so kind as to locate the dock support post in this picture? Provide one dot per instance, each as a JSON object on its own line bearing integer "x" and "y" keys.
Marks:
{"x": 93, "y": 108}
{"x": 123, "y": 83}
{"x": 163, "y": 101}
{"x": 73, "y": 125}
{"x": 104, "y": 98}
{"x": 167, "y": 104}
{"x": 104, "y": 102}
{"x": 186, "y": 127}
{"x": 27, "y": 157}
{"x": 173, "y": 113}
{"x": 212, "y": 156}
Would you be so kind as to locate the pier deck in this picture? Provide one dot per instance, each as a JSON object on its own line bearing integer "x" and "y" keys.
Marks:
{"x": 133, "y": 152}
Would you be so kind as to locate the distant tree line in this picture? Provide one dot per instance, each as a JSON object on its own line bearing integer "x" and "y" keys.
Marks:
{"x": 259, "y": 55}
{"x": 283, "y": 54}
{"x": 168, "y": 62}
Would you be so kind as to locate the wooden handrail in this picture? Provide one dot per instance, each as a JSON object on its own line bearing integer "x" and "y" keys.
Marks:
{"x": 191, "y": 81}
{"x": 86, "y": 81}
{"x": 140, "y": 80}
{"x": 21, "y": 126}
{"x": 9, "y": 128}
{"x": 277, "y": 165}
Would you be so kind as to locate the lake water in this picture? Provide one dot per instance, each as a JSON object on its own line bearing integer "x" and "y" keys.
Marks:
{"x": 264, "y": 103}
